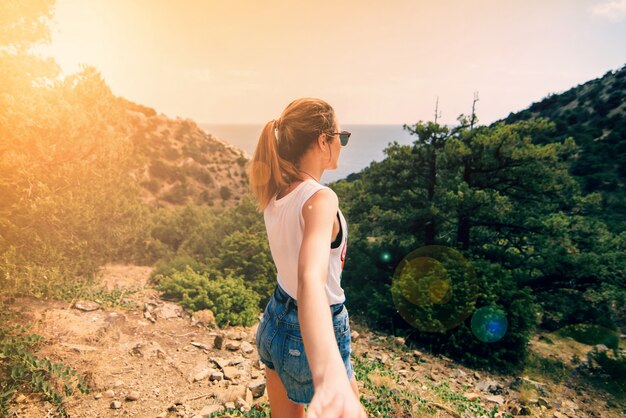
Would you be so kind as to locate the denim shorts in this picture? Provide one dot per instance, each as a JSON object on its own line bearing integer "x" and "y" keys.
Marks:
{"x": 280, "y": 347}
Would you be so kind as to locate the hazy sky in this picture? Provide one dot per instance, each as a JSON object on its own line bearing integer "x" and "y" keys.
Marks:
{"x": 238, "y": 61}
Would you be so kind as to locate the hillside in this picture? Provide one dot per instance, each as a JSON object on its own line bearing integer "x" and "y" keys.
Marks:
{"x": 143, "y": 356}
{"x": 594, "y": 115}
{"x": 179, "y": 163}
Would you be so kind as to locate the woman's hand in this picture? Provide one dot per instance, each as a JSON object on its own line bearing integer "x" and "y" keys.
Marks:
{"x": 335, "y": 401}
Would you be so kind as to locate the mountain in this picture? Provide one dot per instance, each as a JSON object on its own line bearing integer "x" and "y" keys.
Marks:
{"x": 178, "y": 163}
{"x": 594, "y": 115}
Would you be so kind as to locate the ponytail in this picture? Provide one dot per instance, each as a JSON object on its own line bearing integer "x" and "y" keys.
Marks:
{"x": 269, "y": 172}
{"x": 283, "y": 142}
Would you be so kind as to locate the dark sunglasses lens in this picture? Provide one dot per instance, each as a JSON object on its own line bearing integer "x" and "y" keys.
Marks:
{"x": 344, "y": 137}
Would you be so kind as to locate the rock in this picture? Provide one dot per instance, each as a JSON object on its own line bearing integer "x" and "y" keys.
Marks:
{"x": 471, "y": 396}
{"x": 148, "y": 316}
{"x": 384, "y": 357}
{"x": 242, "y": 405}
{"x": 86, "y": 305}
{"x": 132, "y": 396}
{"x": 235, "y": 361}
{"x": 221, "y": 363}
{"x": 115, "y": 318}
{"x": 354, "y": 335}
{"x": 543, "y": 402}
{"x": 202, "y": 374}
{"x": 116, "y": 405}
{"x": 109, "y": 394}
{"x": 204, "y": 317}
{"x": 399, "y": 341}
{"x": 402, "y": 372}
{"x": 476, "y": 376}
{"x": 490, "y": 386}
{"x": 168, "y": 310}
{"x": 218, "y": 342}
{"x": 249, "y": 397}
{"x": 200, "y": 345}
{"x": 162, "y": 415}
{"x": 414, "y": 368}
{"x": 217, "y": 376}
{"x": 246, "y": 347}
{"x": 210, "y": 409}
{"x": 118, "y": 383}
{"x": 233, "y": 345}
{"x": 558, "y": 414}
{"x": 96, "y": 396}
{"x": 257, "y": 389}
{"x": 236, "y": 335}
{"x": 231, "y": 373}
{"x": 495, "y": 399}
{"x": 229, "y": 405}
{"x": 600, "y": 348}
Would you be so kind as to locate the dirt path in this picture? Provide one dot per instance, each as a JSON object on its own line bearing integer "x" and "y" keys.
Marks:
{"x": 157, "y": 361}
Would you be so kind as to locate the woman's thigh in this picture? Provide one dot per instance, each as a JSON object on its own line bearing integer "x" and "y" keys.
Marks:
{"x": 280, "y": 404}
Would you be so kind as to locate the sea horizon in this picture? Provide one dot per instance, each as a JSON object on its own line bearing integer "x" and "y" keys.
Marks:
{"x": 367, "y": 143}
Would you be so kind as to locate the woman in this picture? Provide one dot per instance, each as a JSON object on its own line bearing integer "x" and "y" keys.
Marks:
{"x": 304, "y": 336}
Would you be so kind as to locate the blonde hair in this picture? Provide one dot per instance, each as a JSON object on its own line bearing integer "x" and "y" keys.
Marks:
{"x": 282, "y": 144}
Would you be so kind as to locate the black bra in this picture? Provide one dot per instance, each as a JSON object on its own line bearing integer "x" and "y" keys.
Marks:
{"x": 337, "y": 242}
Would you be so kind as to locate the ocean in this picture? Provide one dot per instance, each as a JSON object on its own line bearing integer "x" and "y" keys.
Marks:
{"x": 366, "y": 144}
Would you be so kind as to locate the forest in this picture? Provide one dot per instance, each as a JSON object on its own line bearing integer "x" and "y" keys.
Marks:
{"x": 467, "y": 243}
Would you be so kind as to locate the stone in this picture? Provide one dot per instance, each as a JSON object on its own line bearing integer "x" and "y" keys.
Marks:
{"x": 132, "y": 396}
{"x": 86, "y": 305}
{"x": 246, "y": 347}
{"x": 499, "y": 399}
{"x": 200, "y": 345}
{"x": 233, "y": 345}
{"x": 399, "y": 341}
{"x": 116, "y": 405}
{"x": 168, "y": 310}
{"x": 221, "y": 363}
{"x": 249, "y": 397}
{"x": 242, "y": 405}
{"x": 472, "y": 396}
{"x": 354, "y": 335}
{"x": 402, "y": 373}
{"x": 543, "y": 402}
{"x": 202, "y": 374}
{"x": 210, "y": 409}
{"x": 229, "y": 405}
{"x": 204, "y": 317}
{"x": 216, "y": 376}
{"x": 231, "y": 373}
{"x": 218, "y": 342}
{"x": 96, "y": 396}
{"x": 109, "y": 394}
{"x": 257, "y": 389}
{"x": 118, "y": 383}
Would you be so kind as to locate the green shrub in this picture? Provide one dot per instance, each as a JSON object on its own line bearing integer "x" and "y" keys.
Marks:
{"x": 227, "y": 297}
{"x": 20, "y": 368}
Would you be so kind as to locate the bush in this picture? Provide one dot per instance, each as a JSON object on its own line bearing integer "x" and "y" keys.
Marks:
{"x": 20, "y": 368}
{"x": 227, "y": 297}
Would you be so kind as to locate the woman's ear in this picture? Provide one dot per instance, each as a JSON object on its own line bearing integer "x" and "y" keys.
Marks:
{"x": 322, "y": 141}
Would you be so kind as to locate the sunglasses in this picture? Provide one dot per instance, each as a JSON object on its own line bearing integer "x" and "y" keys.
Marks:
{"x": 344, "y": 136}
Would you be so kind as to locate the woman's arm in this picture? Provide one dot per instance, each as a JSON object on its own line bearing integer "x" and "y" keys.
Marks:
{"x": 332, "y": 387}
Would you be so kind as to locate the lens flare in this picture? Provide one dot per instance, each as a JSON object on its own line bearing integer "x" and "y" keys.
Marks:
{"x": 489, "y": 324}
{"x": 434, "y": 288}
{"x": 385, "y": 257}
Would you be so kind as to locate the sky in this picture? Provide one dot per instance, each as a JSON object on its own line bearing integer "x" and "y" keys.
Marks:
{"x": 375, "y": 62}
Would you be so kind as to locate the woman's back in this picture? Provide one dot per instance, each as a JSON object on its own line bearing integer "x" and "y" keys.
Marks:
{"x": 285, "y": 225}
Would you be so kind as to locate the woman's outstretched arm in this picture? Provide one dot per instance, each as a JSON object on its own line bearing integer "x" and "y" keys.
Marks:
{"x": 334, "y": 396}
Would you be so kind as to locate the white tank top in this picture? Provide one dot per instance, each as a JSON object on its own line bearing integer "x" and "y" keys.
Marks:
{"x": 285, "y": 228}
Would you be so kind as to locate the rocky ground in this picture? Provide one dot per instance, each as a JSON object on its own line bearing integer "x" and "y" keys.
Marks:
{"x": 155, "y": 360}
